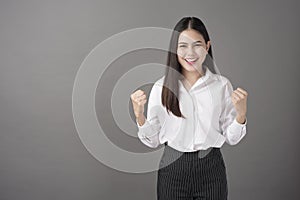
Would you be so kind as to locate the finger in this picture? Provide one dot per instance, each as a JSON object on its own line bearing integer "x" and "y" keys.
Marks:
{"x": 242, "y": 91}
{"x": 142, "y": 102}
{"x": 241, "y": 95}
{"x": 234, "y": 100}
{"x": 141, "y": 97}
{"x": 137, "y": 94}
{"x": 235, "y": 96}
{"x": 140, "y": 93}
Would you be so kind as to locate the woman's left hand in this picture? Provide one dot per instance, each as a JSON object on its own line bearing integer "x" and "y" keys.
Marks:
{"x": 239, "y": 100}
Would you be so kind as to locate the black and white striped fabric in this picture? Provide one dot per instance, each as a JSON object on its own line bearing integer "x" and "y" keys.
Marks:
{"x": 192, "y": 175}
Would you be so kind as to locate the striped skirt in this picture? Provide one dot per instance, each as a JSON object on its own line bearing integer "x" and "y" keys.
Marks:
{"x": 192, "y": 175}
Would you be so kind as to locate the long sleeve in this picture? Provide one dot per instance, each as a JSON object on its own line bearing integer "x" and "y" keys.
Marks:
{"x": 148, "y": 133}
{"x": 232, "y": 130}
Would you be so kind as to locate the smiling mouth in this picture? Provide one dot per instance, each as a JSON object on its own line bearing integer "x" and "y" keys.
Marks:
{"x": 191, "y": 61}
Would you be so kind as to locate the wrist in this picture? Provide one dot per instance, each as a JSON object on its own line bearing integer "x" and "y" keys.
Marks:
{"x": 141, "y": 120}
{"x": 241, "y": 119}
{"x": 139, "y": 115}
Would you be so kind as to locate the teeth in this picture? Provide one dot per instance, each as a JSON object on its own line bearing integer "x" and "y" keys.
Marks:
{"x": 190, "y": 60}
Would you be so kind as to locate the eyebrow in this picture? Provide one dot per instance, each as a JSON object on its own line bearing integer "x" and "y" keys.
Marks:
{"x": 193, "y": 42}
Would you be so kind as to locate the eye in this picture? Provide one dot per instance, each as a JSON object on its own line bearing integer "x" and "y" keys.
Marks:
{"x": 182, "y": 46}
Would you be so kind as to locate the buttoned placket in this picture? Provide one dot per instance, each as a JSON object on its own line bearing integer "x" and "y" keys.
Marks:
{"x": 192, "y": 94}
{"x": 194, "y": 116}
{"x": 195, "y": 112}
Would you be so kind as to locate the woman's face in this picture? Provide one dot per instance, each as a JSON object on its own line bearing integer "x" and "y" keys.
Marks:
{"x": 191, "y": 50}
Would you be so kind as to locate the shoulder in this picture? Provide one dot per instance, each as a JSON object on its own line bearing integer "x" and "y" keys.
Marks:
{"x": 222, "y": 80}
{"x": 156, "y": 91}
{"x": 159, "y": 82}
{"x": 157, "y": 86}
{"x": 224, "y": 85}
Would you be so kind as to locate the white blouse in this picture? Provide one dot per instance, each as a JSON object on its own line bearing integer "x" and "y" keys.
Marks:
{"x": 209, "y": 111}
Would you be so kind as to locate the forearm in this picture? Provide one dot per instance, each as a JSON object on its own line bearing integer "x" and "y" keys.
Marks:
{"x": 141, "y": 120}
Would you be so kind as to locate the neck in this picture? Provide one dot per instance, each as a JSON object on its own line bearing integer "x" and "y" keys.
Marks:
{"x": 190, "y": 78}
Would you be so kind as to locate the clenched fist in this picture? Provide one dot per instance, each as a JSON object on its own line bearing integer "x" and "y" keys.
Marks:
{"x": 138, "y": 99}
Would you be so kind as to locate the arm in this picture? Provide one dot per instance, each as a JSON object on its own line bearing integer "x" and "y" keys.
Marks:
{"x": 232, "y": 125}
{"x": 149, "y": 128}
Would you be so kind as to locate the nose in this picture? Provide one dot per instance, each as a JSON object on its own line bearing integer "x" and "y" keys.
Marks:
{"x": 190, "y": 51}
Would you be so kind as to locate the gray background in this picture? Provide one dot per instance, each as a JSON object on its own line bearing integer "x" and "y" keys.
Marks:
{"x": 43, "y": 43}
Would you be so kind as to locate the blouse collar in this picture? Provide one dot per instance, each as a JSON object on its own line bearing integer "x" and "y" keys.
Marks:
{"x": 202, "y": 80}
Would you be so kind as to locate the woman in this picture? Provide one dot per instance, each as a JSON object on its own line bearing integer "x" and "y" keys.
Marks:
{"x": 192, "y": 111}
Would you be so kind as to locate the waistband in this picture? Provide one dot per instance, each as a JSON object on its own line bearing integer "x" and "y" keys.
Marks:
{"x": 172, "y": 154}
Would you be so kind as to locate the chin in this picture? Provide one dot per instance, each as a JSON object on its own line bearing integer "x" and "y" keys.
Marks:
{"x": 190, "y": 69}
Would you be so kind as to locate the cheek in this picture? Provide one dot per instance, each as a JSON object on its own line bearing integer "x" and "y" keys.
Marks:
{"x": 181, "y": 60}
{"x": 201, "y": 52}
{"x": 180, "y": 52}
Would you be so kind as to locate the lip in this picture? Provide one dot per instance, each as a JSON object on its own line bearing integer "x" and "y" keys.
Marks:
{"x": 192, "y": 59}
{"x": 191, "y": 62}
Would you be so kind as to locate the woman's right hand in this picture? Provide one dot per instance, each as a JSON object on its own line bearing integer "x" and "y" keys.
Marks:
{"x": 138, "y": 99}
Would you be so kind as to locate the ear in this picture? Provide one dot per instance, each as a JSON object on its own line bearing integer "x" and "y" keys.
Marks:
{"x": 207, "y": 45}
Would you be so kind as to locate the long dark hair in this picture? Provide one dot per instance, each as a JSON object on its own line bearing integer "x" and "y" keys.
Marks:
{"x": 174, "y": 69}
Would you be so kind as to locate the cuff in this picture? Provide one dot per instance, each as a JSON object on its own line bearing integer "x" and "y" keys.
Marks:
{"x": 238, "y": 124}
{"x": 146, "y": 124}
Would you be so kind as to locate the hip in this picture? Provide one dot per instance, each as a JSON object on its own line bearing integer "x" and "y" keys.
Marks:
{"x": 203, "y": 158}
